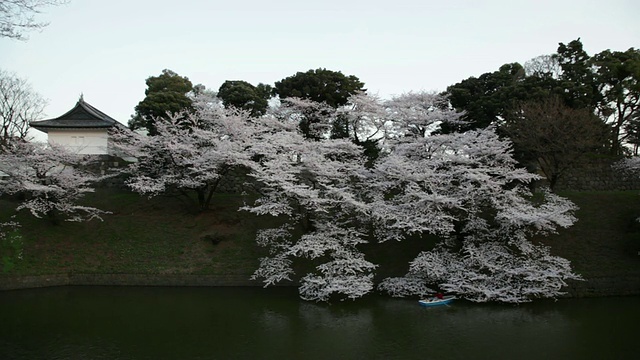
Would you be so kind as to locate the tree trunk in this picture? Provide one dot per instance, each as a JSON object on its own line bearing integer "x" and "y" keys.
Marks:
{"x": 201, "y": 198}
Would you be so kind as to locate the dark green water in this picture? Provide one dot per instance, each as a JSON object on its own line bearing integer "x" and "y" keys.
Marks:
{"x": 254, "y": 323}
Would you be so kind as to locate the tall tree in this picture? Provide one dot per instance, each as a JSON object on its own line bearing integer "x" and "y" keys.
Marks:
{"x": 320, "y": 85}
{"x": 632, "y": 133}
{"x": 165, "y": 94}
{"x": 555, "y": 136}
{"x": 492, "y": 97}
{"x": 323, "y": 86}
{"x": 577, "y": 77}
{"x": 464, "y": 188}
{"x": 18, "y": 16}
{"x": 618, "y": 79}
{"x": 19, "y": 105}
{"x": 190, "y": 152}
{"x": 486, "y": 99}
{"x": 420, "y": 114}
{"x": 242, "y": 95}
{"x": 314, "y": 185}
{"x": 607, "y": 83}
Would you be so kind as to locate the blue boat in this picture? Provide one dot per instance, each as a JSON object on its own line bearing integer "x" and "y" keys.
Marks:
{"x": 436, "y": 301}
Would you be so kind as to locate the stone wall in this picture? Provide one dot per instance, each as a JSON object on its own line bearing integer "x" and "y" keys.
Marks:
{"x": 597, "y": 174}
{"x": 102, "y": 165}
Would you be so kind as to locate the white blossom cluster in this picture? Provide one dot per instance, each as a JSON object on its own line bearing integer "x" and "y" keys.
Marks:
{"x": 50, "y": 179}
{"x": 191, "y": 153}
{"x": 329, "y": 199}
{"x": 631, "y": 164}
{"x": 464, "y": 188}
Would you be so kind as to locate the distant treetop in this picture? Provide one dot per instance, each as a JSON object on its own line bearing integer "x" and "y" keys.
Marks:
{"x": 321, "y": 85}
{"x": 166, "y": 93}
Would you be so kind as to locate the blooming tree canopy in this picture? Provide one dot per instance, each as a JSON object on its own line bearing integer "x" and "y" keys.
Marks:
{"x": 365, "y": 118}
{"x": 419, "y": 113}
{"x": 313, "y": 184}
{"x": 464, "y": 188}
{"x": 328, "y": 199}
{"x": 631, "y": 164}
{"x": 190, "y": 153}
{"x": 51, "y": 178}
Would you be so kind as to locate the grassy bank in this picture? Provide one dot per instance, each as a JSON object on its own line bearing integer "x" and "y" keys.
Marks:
{"x": 161, "y": 236}
{"x": 142, "y": 236}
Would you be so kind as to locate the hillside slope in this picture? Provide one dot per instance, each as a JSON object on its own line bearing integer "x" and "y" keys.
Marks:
{"x": 161, "y": 237}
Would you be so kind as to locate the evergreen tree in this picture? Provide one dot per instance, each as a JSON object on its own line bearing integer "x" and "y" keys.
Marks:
{"x": 165, "y": 94}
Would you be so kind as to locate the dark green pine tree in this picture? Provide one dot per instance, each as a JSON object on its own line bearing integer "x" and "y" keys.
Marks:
{"x": 321, "y": 85}
{"x": 242, "y": 95}
{"x": 166, "y": 93}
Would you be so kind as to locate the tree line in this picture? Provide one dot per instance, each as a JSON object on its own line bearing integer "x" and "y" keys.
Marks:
{"x": 465, "y": 188}
{"x": 347, "y": 169}
{"x": 556, "y": 109}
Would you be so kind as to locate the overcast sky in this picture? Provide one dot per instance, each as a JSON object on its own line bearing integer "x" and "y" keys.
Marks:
{"x": 106, "y": 49}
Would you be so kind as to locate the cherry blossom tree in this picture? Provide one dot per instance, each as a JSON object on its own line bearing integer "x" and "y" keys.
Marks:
{"x": 50, "y": 182}
{"x": 190, "y": 153}
{"x": 314, "y": 118}
{"x": 466, "y": 189}
{"x": 365, "y": 118}
{"x": 328, "y": 201}
{"x": 51, "y": 179}
{"x": 313, "y": 184}
{"x": 631, "y": 164}
{"x": 368, "y": 120}
{"x": 420, "y": 113}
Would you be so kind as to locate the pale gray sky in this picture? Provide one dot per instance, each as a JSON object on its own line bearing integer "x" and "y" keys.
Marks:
{"x": 106, "y": 49}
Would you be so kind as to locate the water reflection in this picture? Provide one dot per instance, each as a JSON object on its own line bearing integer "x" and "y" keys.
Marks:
{"x": 253, "y": 323}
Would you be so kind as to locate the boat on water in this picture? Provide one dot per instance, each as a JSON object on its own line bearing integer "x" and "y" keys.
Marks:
{"x": 436, "y": 301}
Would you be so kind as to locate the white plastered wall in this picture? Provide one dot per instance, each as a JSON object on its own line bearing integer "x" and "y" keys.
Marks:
{"x": 81, "y": 141}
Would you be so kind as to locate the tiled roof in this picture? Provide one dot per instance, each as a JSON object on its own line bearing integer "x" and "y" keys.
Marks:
{"x": 82, "y": 116}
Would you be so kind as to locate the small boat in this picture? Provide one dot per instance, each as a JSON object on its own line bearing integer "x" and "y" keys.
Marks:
{"x": 435, "y": 301}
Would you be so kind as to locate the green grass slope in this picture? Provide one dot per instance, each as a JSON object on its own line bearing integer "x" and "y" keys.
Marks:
{"x": 141, "y": 236}
{"x": 161, "y": 236}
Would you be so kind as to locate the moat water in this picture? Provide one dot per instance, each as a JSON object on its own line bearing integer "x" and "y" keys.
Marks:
{"x": 256, "y": 323}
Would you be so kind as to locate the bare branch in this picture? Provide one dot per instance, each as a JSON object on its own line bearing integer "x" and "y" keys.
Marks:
{"x": 19, "y": 105}
{"x": 18, "y": 16}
